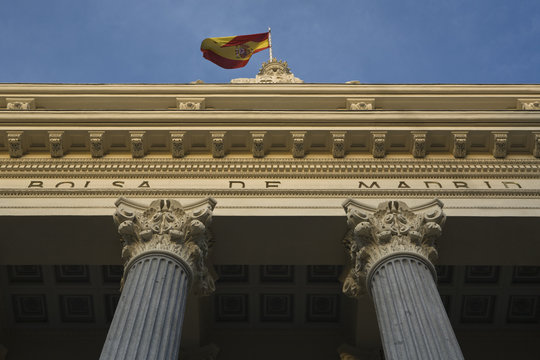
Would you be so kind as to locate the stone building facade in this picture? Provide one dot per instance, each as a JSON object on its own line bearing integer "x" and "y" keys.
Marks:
{"x": 269, "y": 218}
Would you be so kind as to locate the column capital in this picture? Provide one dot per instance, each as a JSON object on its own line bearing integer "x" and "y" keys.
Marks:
{"x": 168, "y": 227}
{"x": 391, "y": 229}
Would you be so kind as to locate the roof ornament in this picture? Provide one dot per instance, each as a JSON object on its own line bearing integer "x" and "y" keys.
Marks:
{"x": 272, "y": 72}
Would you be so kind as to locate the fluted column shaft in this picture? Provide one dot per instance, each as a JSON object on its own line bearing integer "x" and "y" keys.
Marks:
{"x": 392, "y": 249}
{"x": 410, "y": 313}
{"x": 148, "y": 320}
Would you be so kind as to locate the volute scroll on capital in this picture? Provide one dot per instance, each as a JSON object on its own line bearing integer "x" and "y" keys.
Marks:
{"x": 168, "y": 227}
{"x": 391, "y": 229}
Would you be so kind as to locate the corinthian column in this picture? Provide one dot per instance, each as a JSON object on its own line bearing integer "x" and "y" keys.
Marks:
{"x": 392, "y": 252}
{"x": 164, "y": 251}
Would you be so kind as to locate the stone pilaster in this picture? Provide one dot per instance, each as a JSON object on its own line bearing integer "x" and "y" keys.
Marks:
{"x": 392, "y": 249}
{"x": 164, "y": 249}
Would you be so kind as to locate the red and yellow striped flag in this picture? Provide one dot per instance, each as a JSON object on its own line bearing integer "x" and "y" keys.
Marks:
{"x": 233, "y": 52}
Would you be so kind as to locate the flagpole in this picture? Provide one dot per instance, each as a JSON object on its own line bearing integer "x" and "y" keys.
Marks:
{"x": 270, "y": 42}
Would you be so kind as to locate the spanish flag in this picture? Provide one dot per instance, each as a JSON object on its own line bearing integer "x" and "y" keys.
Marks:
{"x": 233, "y": 52}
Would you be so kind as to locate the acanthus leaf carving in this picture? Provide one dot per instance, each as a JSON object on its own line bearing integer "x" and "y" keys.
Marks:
{"x": 392, "y": 228}
{"x": 168, "y": 226}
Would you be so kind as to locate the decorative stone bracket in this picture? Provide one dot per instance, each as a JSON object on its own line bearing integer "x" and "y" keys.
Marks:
{"x": 167, "y": 226}
{"x": 392, "y": 228}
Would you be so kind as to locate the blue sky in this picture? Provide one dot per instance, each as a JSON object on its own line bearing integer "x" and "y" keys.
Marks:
{"x": 377, "y": 41}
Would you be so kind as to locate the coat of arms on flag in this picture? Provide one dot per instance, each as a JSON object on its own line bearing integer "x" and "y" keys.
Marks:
{"x": 233, "y": 52}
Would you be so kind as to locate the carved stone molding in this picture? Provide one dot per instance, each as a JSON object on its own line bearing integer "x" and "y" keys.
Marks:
{"x": 528, "y": 104}
{"x": 257, "y": 143}
{"x": 338, "y": 143}
{"x": 360, "y": 104}
{"x": 298, "y": 144}
{"x": 137, "y": 143}
{"x": 190, "y": 103}
{"x": 391, "y": 229}
{"x": 536, "y": 144}
{"x": 56, "y": 143}
{"x": 177, "y": 144}
{"x": 20, "y": 104}
{"x": 378, "y": 139}
{"x": 167, "y": 226}
{"x": 459, "y": 144}
{"x": 418, "y": 144}
{"x": 218, "y": 143}
{"x": 272, "y": 72}
{"x": 500, "y": 144}
{"x": 97, "y": 148}
{"x": 15, "y": 144}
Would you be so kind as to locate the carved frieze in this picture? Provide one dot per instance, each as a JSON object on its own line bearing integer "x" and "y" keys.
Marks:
{"x": 190, "y": 103}
{"x": 177, "y": 144}
{"x": 257, "y": 143}
{"x": 378, "y": 147}
{"x": 392, "y": 228}
{"x": 528, "y": 104}
{"x": 298, "y": 143}
{"x": 500, "y": 144}
{"x": 137, "y": 143}
{"x": 167, "y": 226}
{"x": 97, "y": 149}
{"x": 20, "y": 104}
{"x": 338, "y": 143}
{"x": 360, "y": 104}
{"x": 218, "y": 143}
{"x": 459, "y": 144}
{"x": 15, "y": 144}
{"x": 418, "y": 144}
{"x": 56, "y": 143}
